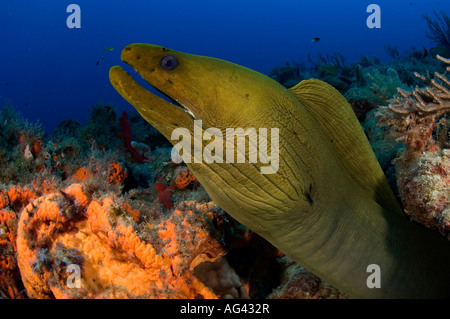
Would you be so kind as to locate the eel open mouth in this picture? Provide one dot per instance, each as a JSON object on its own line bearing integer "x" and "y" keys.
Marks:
{"x": 164, "y": 111}
{"x": 122, "y": 87}
{"x": 171, "y": 100}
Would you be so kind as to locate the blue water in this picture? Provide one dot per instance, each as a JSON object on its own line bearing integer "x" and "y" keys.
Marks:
{"x": 52, "y": 74}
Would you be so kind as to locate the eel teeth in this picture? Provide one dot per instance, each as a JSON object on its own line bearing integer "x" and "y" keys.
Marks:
{"x": 190, "y": 113}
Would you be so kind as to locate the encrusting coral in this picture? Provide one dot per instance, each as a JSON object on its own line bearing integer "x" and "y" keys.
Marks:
{"x": 421, "y": 121}
{"x": 424, "y": 186}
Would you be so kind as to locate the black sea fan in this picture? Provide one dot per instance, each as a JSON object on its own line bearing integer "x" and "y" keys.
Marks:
{"x": 439, "y": 29}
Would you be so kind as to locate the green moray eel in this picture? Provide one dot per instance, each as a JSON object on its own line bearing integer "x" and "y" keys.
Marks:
{"x": 328, "y": 206}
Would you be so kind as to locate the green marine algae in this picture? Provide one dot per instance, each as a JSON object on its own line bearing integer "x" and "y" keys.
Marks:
{"x": 329, "y": 206}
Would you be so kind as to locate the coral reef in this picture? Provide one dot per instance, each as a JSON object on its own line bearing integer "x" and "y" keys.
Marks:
{"x": 379, "y": 87}
{"x": 164, "y": 195}
{"x": 134, "y": 230}
{"x": 424, "y": 185}
{"x": 298, "y": 283}
{"x": 392, "y": 51}
{"x": 107, "y": 198}
{"x": 65, "y": 228}
{"x": 416, "y": 115}
{"x": 288, "y": 75}
{"x": 367, "y": 82}
{"x": 125, "y": 244}
{"x": 11, "y": 200}
{"x": 117, "y": 174}
{"x": 419, "y": 119}
{"x": 20, "y": 146}
{"x": 10, "y": 281}
{"x": 102, "y": 129}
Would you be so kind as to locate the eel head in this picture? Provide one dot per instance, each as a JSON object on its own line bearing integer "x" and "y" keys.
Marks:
{"x": 222, "y": 95}
{"x": 215, "y": 91}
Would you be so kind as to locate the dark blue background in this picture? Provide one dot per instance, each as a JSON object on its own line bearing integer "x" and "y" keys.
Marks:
{"x": 52, "y": 69}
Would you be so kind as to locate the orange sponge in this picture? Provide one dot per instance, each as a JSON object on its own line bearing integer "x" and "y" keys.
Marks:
{"x": 9, "y": 275}
{"x": 117, "y": 174}
{"x": 20, "y": 196}
{"x": 4, "y": 201}
{"x": 82, "y": 174}
{"x": 183, "y": 177}
{"x": 66, "y": 228}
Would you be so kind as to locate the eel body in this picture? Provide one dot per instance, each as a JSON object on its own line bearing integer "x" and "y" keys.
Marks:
{"x": 327, "y": 205}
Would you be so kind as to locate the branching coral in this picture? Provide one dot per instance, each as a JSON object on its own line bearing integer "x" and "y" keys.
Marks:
{"x": 433, "y": 100}
{"x": 416, "y": 112}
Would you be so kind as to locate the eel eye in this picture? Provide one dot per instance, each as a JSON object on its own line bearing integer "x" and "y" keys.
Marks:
{"x": 169, "y": 62}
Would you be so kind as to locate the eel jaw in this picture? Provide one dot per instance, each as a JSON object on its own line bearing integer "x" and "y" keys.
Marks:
{"x": 163, "y": 115}
{"x": 175, "y": 102}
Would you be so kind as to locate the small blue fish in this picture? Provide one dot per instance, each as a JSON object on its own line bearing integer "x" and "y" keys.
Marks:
{"x": 314, "y": 40}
